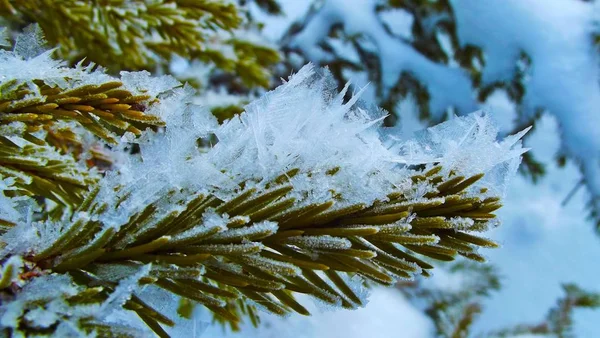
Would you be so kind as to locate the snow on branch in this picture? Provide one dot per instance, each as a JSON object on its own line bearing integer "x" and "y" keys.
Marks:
{"x": 458, "y": 55}
{"x": 304, "y": 192}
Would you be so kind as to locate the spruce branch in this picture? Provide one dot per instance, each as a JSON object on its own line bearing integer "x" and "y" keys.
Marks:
{"x": 39, "y": 170}
{"x": 106, "y": 109}
{"x": 318, "y": 205}
{"x": 143, "y": 34}
{"x": 440, "y": 35}
{"x": 41, "y": 110}
{"x": 269, "y": 248}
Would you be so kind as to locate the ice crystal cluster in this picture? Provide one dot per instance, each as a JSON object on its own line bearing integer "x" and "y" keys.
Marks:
{"x": 303, "y": 192}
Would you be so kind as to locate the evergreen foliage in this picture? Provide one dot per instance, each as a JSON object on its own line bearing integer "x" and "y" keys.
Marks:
{"x": 45, "y": 115}
{"x": 144, "y": 34}
{"x": 435, "y": 61}
{"x": 89, "y": 244}
{"x": 269, "y": 249}
{"x": 81, "y": 247}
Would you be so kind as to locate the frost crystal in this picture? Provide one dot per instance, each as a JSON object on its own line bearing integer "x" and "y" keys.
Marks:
{"x": 262, "y": 229}
{"x": 4, "y": 39}
{"x": 320, "y": 242}
{"x": 12, "y": 209}
{"x": 166, "y": 302}
{"x": 144, "y": 83}
{"x": 30, "y": 44}
{"x": 283, "y": 131}
{"x": 124, "y": 291}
